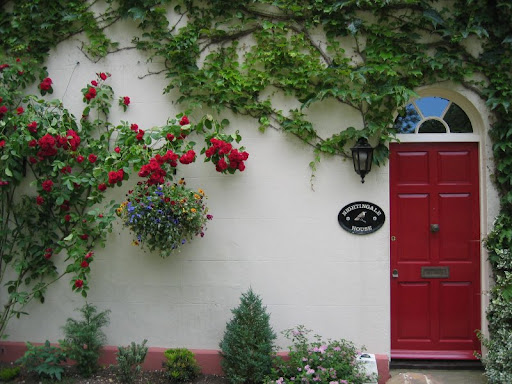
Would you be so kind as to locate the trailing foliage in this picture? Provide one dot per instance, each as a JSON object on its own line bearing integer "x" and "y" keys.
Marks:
{"x": 180, "y": 365}
{"x": 247, "y": 347}
{"x": 45, "y": 360}
{"x": 83, "y": 339}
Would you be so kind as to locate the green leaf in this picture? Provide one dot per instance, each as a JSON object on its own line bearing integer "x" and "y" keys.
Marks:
{"x": 68, "y": 237}
{"x": 433, "y": 16}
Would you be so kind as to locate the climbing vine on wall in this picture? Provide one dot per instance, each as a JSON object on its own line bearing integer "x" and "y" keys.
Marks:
{"x": 367, "y": 55}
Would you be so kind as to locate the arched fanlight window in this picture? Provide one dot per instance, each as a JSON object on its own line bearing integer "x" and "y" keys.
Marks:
{"x": 432, "y": 115}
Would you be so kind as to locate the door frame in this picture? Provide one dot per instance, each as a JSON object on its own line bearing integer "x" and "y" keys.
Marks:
{"x": 481, "y": 121}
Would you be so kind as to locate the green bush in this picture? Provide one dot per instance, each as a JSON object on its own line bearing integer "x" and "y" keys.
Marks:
{"x": 9, "y": 373}
{"x": 247, "y": 347}
{"x": 84, "y": 339}
{"x": 45, "y": 360}
{"x": 498, "y": 361}
{"x": 129, "y": 360}
{"x": 181, "y": 365}
{"x": 319, "y": 361}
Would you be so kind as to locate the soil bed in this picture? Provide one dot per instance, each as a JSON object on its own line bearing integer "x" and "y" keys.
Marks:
{"x": 109, "y": 375}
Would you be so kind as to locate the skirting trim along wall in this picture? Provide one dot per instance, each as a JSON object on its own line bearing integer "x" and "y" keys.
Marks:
{"x": 208, "y": 359}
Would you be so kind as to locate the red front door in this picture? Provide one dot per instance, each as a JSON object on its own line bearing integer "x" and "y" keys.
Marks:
{"x": 435, "y": 250}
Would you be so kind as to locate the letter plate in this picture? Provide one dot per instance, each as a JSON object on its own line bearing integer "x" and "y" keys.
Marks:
{"x": 435, "y": 272}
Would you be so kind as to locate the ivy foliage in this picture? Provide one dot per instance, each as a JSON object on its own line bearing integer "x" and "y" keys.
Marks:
{"x": 367, "y": 55}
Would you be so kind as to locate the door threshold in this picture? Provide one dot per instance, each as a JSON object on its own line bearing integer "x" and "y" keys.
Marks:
{"x": 415, "y": 364}
{"x": 425, "y": 354}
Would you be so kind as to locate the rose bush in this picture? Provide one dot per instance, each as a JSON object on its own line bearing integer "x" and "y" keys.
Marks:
{"x": 55, "y": 173}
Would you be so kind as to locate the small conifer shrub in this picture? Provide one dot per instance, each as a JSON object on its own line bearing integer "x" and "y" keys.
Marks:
{"x": 84, "y": 338}
{"x": 247, "y": 347}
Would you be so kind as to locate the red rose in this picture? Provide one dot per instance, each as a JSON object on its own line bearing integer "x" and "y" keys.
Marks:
{"x": 48, "y": 253}
{"x": 117, "y": 149}
{"x": 102, "y": 187}
{"x": 95, "y": 83}
{"x": 85, "y": 236}
{"x": 46, "y": 84}
{"x": 89, "y": 255}
{"x": 39, "y": 200}
{"x": 20, "y": 110}
{"x": 71, "y": 140}
{"x": 103, "y": 76}
{"x": 65, "y": 206}
{"x": 84, "y": 264}
{"x": 67, "y": 218}
{"x": 133, "y": 127}
{"x": 91, "y": 93}
{"x": 2, "y": 143}
{"x": 47, "y": 145}
{"x": 47, "y": 185}
{"x": 32, "y": 143}
{"x": 80, "y": 158}
{"x": 188, "y": 157}
{"x": 115, "y": 176}
{"x": 66, "y": 169}
{"x": 32, "y": 127}
{"x": 3, "y": 110}
{"x": 126, "y": 100}
{"x": 32, "y": 160}
{"x": 79, "y": 283}
{"x": 221, "y": 165}
{"x": 140, "y": 135}
{"x": 184, "y": 120}
{"x": 92, "y": 158}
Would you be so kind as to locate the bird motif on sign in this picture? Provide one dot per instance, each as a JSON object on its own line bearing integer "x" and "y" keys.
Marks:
{"x": 361, "y": 217}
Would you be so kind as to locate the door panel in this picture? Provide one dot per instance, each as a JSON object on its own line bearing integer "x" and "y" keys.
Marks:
{"x": 455, "y": 307}
{"x": 415, "y": 244}
{"x": 413, "y": 317}
{"x": 455, "y": 221}
{"x": 435, "y": 299}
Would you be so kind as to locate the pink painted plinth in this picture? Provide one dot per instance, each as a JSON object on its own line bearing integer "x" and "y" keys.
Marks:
{"x": 208, "y": 359}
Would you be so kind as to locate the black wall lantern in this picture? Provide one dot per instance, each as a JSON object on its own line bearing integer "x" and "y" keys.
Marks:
{"x": 362, "y": 156}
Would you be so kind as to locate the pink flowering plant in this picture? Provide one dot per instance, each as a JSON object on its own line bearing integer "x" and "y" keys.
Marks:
{"x": 56, "y": 171}
{"x": 318, "y": 361}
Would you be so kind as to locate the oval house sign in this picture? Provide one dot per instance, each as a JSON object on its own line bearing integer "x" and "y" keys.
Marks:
{"x": 361, "y": 217}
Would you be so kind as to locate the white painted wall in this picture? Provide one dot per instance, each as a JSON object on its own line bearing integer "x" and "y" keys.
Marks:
{"x": 270, "y": 231}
